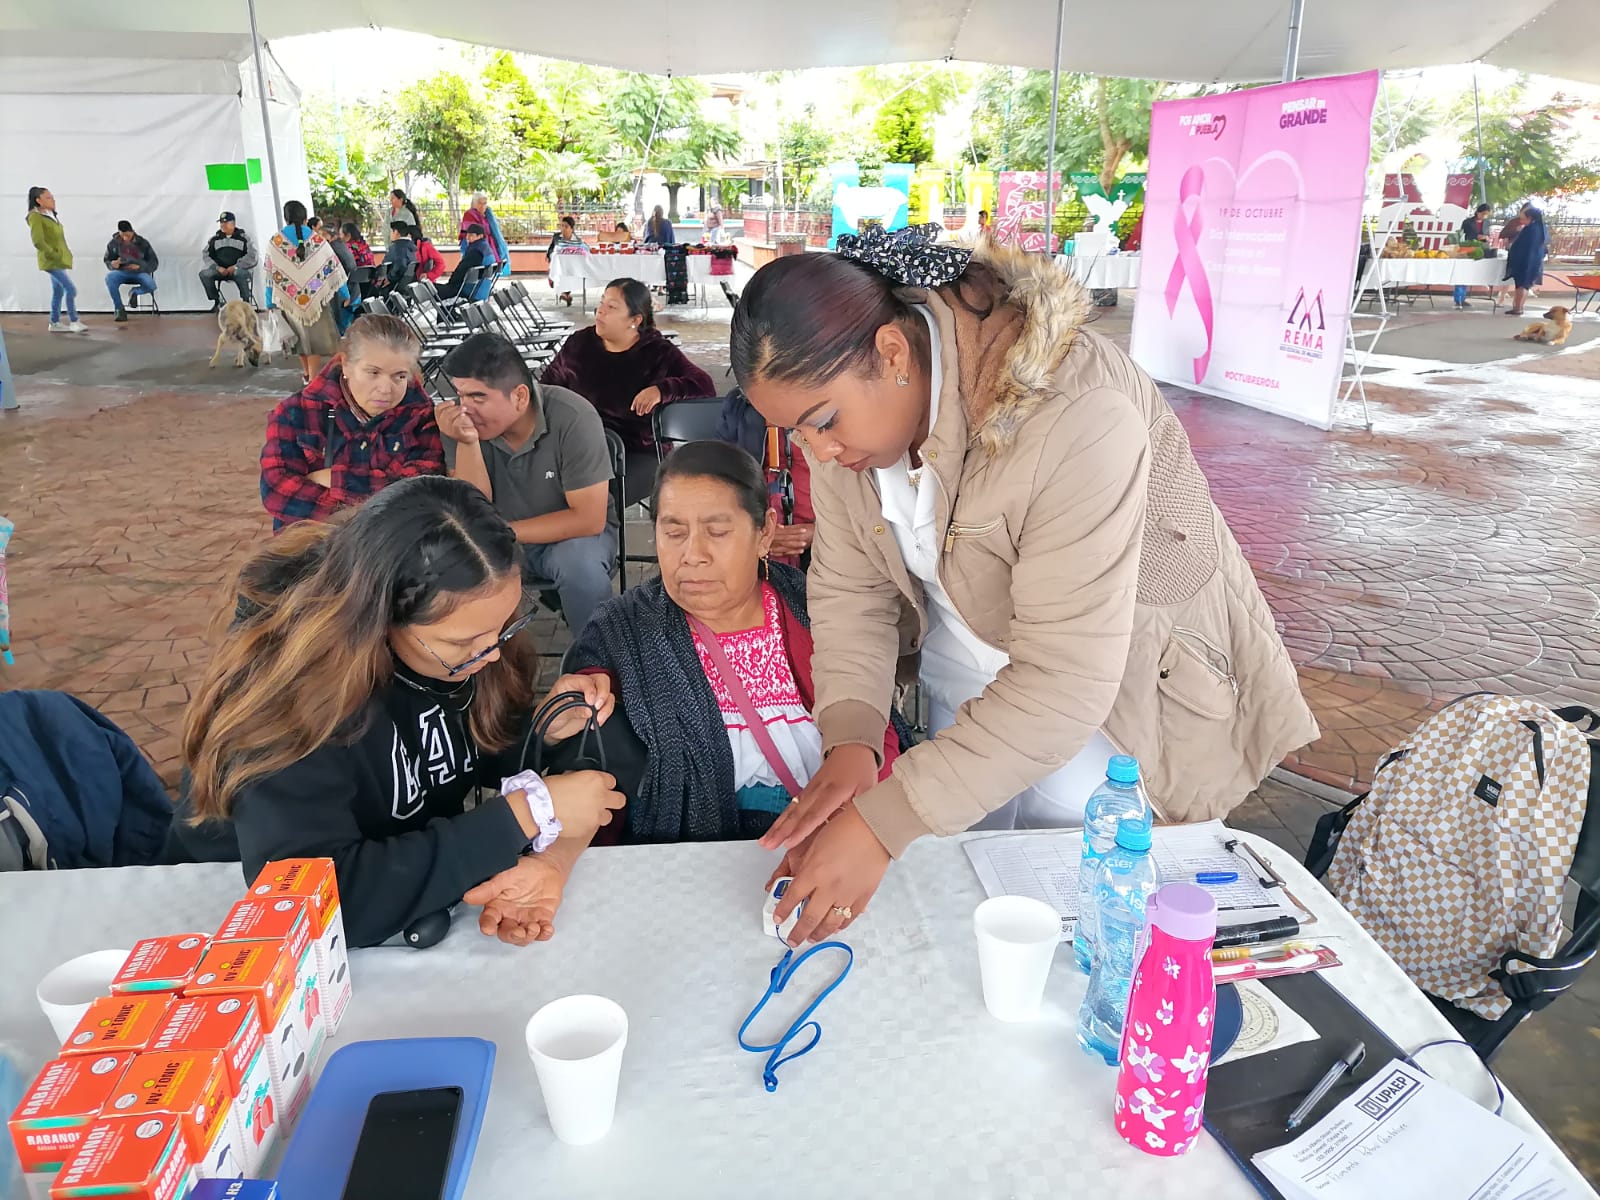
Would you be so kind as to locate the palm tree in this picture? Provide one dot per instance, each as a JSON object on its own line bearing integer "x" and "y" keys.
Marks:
{"x": 563, "y": 173}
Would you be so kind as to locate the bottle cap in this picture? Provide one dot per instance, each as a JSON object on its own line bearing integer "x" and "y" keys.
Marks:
{"x": 1123, "y": 768}
{"x": 1133, "y": 833}
{"x": 1184, "y": 911}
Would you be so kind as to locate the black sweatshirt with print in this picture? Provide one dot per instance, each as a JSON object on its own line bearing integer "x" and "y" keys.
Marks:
{"x": 390, "y": 809}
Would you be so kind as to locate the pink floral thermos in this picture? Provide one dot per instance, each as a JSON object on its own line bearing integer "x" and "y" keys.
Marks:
{"x": 1166, "y": 1039}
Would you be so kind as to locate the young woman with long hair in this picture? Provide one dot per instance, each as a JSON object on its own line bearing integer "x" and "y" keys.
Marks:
{"x": 55, "y": 260}
{"x": 1005, "y": 493}
{"x": 304, "y": 279}
{"x": 369, "y": 678}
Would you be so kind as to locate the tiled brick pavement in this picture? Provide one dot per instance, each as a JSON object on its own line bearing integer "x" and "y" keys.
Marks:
{"x": 1451, "y": 549}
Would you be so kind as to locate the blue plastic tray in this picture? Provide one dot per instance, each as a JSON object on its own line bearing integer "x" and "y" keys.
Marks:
{"x": 318, "y": 1159}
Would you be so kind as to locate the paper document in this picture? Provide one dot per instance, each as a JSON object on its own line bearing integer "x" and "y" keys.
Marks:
{"x": 1045, "y": 867}
{"x": 1404, "y": 1136}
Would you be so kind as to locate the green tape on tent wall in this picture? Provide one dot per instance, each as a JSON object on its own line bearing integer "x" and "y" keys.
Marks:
{"x": 227, "y": 177}
{"x": 253, "y": 165}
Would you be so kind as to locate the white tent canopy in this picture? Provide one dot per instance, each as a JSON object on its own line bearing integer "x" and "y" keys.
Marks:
{"x": 1218, "y": 41}
{"x": 117, "y": 135}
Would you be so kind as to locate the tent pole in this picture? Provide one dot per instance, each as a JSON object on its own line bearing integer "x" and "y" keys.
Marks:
{"x": 266, "y": 119}
{"x": 1477, "y": 121}
{"x": 1050, "y": 150}
{"x": 1291, "y": 52}
{"x": 8, "y": 391}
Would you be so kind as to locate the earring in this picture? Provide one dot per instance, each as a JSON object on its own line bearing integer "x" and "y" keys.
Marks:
{"x": 902, "y": 380}
{"x": 766, "y": 567}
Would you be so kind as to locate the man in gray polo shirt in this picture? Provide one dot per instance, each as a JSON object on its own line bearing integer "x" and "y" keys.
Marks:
{"x": 540, "y": 454}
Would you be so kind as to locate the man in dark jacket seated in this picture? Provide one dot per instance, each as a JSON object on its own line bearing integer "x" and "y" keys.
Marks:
{"x": 475, "y": 255}
{"x": 129, "y": 259}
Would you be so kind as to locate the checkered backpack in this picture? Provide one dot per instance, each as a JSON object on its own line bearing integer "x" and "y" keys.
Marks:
{"x": 1459, "y": 854}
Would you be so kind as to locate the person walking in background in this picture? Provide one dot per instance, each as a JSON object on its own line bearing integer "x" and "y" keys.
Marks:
{"x": 55, "y": 260}
{"x": 625, "y": 368}
{"x": 401, "y": 209}
{"x": 1474, "y": 232}
{"x": 658, "y": 230}
{"x": 228, "y": 254}
{"x": 306, "y": 282}
{"x": 1525, "y": 259}
{"x": 129, "y": 259}
{"x": 714, "y": 226}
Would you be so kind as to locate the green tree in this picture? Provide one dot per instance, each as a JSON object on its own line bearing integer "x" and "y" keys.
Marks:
{"x": 904, "y": 130}
{"x": 1101, "y": 124}
{"x": 529, "y": 119}
{"x": 574, "y": 94}
{"x": 1527, "y": 151}
{"x": 450, "y": 132}
{"x": 659, "y": 124}
{"x": 807, "y": 148}
{"x": 563, "y": 174}
{"x": 1402, "y": 119}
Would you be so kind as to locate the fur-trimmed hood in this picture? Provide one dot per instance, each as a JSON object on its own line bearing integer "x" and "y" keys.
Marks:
{"x": 1016, "y": 316}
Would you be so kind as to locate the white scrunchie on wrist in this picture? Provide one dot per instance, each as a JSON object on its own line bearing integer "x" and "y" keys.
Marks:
{"x": 539, "y": 803}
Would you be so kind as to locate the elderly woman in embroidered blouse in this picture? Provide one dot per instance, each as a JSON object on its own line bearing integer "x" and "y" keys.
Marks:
{"x": 711, "y": 777}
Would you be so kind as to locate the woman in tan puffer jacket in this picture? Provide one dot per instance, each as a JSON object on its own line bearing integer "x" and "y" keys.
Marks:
{"x": 1008, "y": 496}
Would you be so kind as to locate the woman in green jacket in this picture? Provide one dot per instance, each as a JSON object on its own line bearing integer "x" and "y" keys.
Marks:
{"x": 55, "y": 260}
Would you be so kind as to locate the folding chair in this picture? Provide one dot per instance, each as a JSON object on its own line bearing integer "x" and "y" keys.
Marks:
{"x": 729, "y": 294}
{"x": 530, "y": 307}
{"x": 359, "y": 282}
{"x": 685, "y": 421}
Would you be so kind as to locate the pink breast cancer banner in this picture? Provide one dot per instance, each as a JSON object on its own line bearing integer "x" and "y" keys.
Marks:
{"x": 1252, "y": 223}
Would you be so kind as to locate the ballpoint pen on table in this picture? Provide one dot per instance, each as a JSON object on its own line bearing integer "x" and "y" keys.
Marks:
{"x": 1348, "y": 1062}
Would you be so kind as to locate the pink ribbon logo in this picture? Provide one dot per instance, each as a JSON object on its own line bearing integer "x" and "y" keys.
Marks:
{"x": 1189, "y": 265}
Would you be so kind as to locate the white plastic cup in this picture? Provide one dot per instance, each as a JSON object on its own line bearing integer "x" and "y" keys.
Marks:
{"x": 576, "y": 1045}
{"x": 66, "y": 992}
{"x": 1017, "y": 940}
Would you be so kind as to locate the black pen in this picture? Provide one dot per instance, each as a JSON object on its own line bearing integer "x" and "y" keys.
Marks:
{"x": 1350, "y": 1061}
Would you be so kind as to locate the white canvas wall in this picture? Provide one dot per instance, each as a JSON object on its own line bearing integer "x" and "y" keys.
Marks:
{"x": 129, "y": 139}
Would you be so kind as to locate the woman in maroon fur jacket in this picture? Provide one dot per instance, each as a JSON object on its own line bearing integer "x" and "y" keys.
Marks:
{"x": 625, "y": 367}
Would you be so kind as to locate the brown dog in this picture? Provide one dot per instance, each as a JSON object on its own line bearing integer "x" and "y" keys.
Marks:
{"x": 237, "y": 320}
{"x": 1552, "y": 331}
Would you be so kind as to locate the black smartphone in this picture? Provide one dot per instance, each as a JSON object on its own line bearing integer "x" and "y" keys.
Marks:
{"x": 404, "y": 1151}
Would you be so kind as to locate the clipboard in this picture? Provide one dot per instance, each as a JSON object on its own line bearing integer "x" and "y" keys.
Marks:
{"x": 1249, "y": 1100}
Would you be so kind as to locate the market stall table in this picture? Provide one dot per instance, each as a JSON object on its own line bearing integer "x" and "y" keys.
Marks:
{"x": 914, "y": 1091}
{"x": 1438, "y": 272}
{"x": 577, "y": 271}
{"x": 1102, "y": 270}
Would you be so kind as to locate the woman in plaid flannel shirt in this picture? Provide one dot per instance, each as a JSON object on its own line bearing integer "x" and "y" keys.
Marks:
{"x": 361, "y": 424}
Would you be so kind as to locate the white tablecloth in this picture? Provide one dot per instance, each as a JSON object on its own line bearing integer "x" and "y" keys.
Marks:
{"x": 914, "y": 1091}
{"x": 574, "y": 270}
{"x": 1102, "y": 270}
{"x": 1442, "y": 272}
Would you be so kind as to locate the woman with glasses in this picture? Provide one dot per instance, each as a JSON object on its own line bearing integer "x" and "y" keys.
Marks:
{"x": 369, "y": 681}
{"x": 711, "y": 662}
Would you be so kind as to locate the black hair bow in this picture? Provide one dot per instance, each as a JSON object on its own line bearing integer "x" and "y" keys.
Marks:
{"x": 910, "y": 256}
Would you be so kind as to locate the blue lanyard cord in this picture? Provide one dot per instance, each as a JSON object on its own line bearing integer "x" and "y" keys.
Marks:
{"x": 781, "y": 975}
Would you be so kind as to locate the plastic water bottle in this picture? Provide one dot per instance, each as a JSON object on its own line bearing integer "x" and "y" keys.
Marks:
{"x": 1127, "y": 879}
{"x": 1166, "y": 1052}
{"x": 1119, "y": 797}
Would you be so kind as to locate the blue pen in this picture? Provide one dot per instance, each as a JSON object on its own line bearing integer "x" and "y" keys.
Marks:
{"x": 1216, "y": 878}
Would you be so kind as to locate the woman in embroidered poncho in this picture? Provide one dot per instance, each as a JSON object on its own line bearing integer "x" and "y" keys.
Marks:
{"x": 708, "y": 777}
{"x": 303, "y": 279}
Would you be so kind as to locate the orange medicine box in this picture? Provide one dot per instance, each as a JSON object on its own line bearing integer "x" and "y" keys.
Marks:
{"x": 118, "y": 1023}
{"x": 284, "y": 987}
{"x": 314, "y": 879}
{"x": 161, "y": 964}
{"x": 48, "y": 1126}
{"x": 192, "y": 1086}
{"x": 232, "y": 1026}
{"x": 132, "y": 1158}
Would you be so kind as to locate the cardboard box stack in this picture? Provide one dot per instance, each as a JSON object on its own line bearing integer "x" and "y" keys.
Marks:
{"x": 183, "y": 1080}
